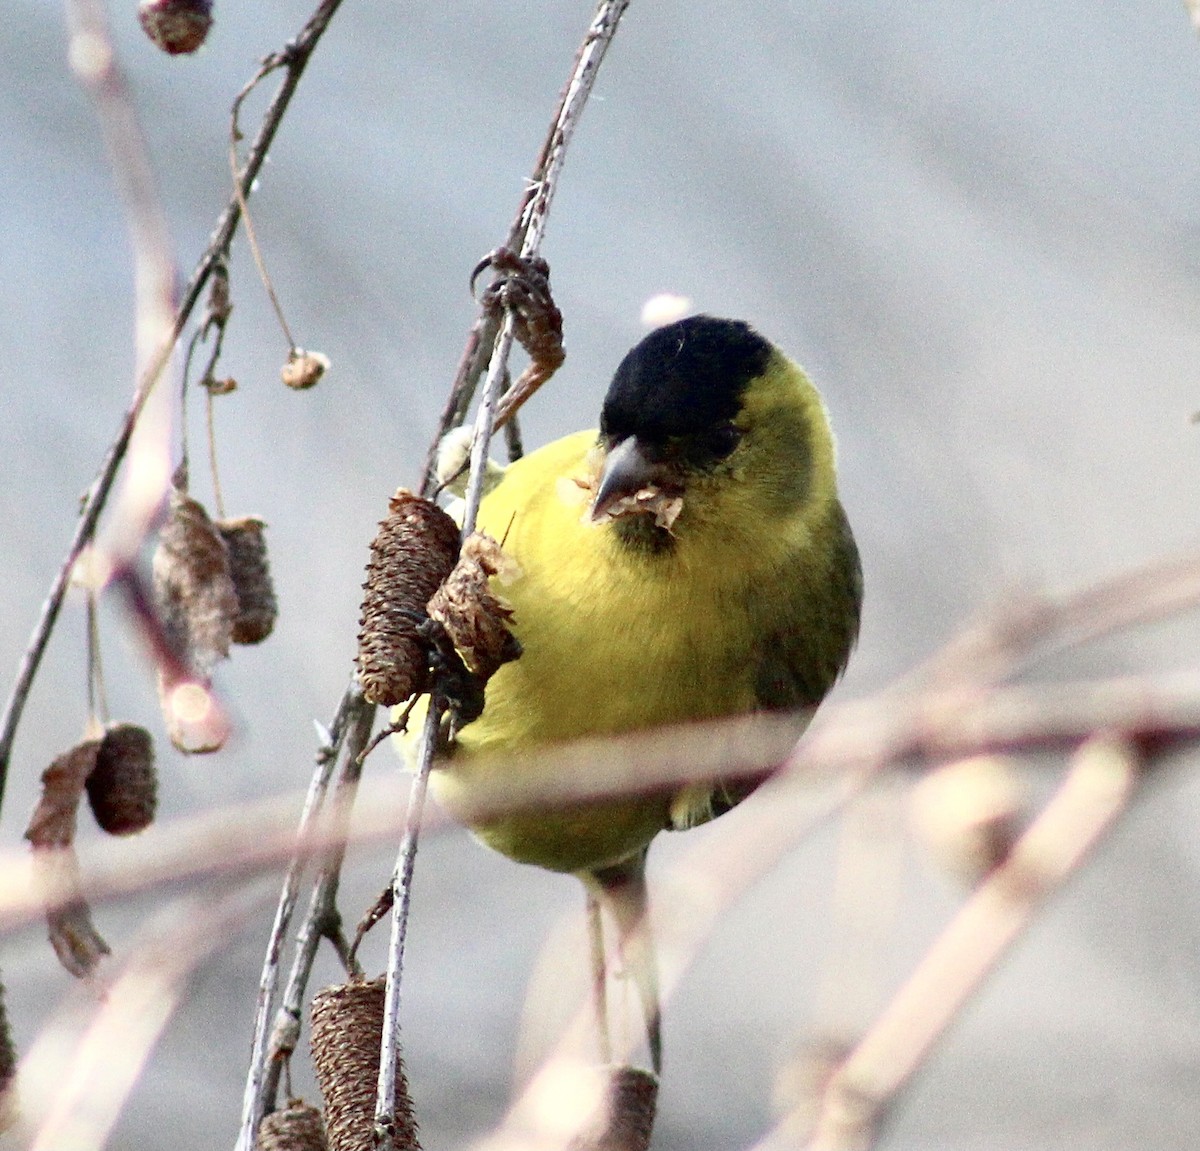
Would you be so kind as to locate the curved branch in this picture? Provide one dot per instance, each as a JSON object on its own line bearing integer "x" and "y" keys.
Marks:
{"x": 94, "y": 61}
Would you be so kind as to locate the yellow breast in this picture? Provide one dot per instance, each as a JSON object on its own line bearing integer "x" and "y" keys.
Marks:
{"x": 613, "y": 642}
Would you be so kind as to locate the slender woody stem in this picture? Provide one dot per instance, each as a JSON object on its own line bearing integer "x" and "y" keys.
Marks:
{"x": 348, "y": 734}
{"x": 105, "y": 82}
{"x": 534, "y": 215}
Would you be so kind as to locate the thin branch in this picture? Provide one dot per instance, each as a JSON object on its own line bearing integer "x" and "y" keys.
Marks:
{"x": 93, "y": 58}
{"x": 344, "y": 738}
{"x": 887, "y": 731}
{"x": 536, "y": 215}
{"x": 534, "y": 207}
{"x": 94, "y": 62}
{"x": 323, "y": 920}
{"x": 1096, "y": 790}
{"x": 293, "y": 58}
{"x": 389, "y": 1052}
{"x": 235, "y": 136}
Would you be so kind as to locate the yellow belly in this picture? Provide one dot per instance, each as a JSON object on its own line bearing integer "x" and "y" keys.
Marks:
{"x": 612, "y": 643}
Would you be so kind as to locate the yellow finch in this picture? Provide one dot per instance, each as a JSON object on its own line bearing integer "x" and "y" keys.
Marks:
{"x": 689, "y": 561}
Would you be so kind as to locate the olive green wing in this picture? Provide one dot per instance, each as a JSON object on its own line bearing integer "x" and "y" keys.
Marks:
{"x": 808, "y": 629}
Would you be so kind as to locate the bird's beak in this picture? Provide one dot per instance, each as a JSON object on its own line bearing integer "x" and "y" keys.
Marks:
{"x": 625, "y": 472}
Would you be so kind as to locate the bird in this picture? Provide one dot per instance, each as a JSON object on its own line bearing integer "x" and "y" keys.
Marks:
{"x": 687, "y": 561}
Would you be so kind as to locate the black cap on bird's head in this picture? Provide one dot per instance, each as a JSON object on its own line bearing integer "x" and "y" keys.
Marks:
{"x": 671, "y": 406}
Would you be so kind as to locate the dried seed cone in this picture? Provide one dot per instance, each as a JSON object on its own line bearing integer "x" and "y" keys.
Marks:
{"x": 474, "y": 616}
{"x": 347, "y": 1027}
{"x": 413, "y": 552}
{"x": 296, "y": 1127}
{"x": 631, "y": 1098}
{"x": 193, "y": 589}
{"x": 123, "y": 786}
{"x": 8, "y": 1070}
{"x": 176, "y": 26}
{"x": 251, "y": 575}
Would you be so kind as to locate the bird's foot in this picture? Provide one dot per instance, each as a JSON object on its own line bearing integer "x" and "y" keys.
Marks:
{"x": 521, "y": 288}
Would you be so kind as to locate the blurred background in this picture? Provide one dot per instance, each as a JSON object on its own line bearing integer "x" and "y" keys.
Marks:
{"x": 978, "y": 227}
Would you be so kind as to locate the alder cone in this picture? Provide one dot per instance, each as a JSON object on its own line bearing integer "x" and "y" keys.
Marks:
{"x": 251, "y": 574}
{"x": 414, "y": 550}
{"x": 8, "y": 1070}
{"x": 122, "y": 789}
{"x": 347, "y": 1028}
{"x": 193, "y": 589}
{"x": 296, "y": 1127}
{"x": 627, "y": 1116}
{"x": 474, "y": 616}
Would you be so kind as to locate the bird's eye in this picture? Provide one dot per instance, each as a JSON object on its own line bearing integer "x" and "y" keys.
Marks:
{"x": 723, "y": 439}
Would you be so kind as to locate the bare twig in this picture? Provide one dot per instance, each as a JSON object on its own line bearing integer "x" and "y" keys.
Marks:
{"x": 345, "y": 736}
{"x": 323, "y": 920}
{"x": 1096, "y": 790}
{"x": 531, "y": 213}
{"x": 1000, "y": 642}
{"x": 235, "y": 136}
{"x": 536, "y": 213}
{"x": 884, "y": 732}
{"x": 389, "y": 1052}
{"x": 93, "y": 60}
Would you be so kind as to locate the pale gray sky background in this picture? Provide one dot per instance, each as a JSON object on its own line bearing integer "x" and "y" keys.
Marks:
{"x": 977, "y": 225}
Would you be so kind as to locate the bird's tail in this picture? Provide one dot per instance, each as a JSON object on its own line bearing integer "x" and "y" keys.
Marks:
{"x": 621, "y": 890}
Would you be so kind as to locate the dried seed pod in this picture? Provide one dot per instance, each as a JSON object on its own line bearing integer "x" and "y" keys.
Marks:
{"x": 76, "y": 942}
{"x": 193, "y": 589}
{"x": 51, "y": 831}
{"x": 626, "y": 1120}
{"x": 347, "y": 1029}
{"x": 251, "y": 574}
{"x": 414, "y": 550}
{"x": 474, "y": 616}
{"x": 176, "y": 26}
{"x": 296, "y": 1127}
{"x": 303, "y": 369}
{"x": 53, "y": 821}
{"x": 123, "y": 786}
{"x": 8, "y": 1070}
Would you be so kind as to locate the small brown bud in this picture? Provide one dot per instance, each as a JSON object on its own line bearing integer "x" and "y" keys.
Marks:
{"x": 303, "y": 369}
{"x": 474, "y": 616}
{"x": 123, "y": 786}
{"x": 51, "y": 831}
{"x": 347, "y": 1029}
{"x": 296, "y": 1127}
{"x": 413, "y": 551}
{"x": 193, "y": 589}
{"x": 251, "y": 576}
{"x": 176, "y": 26}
